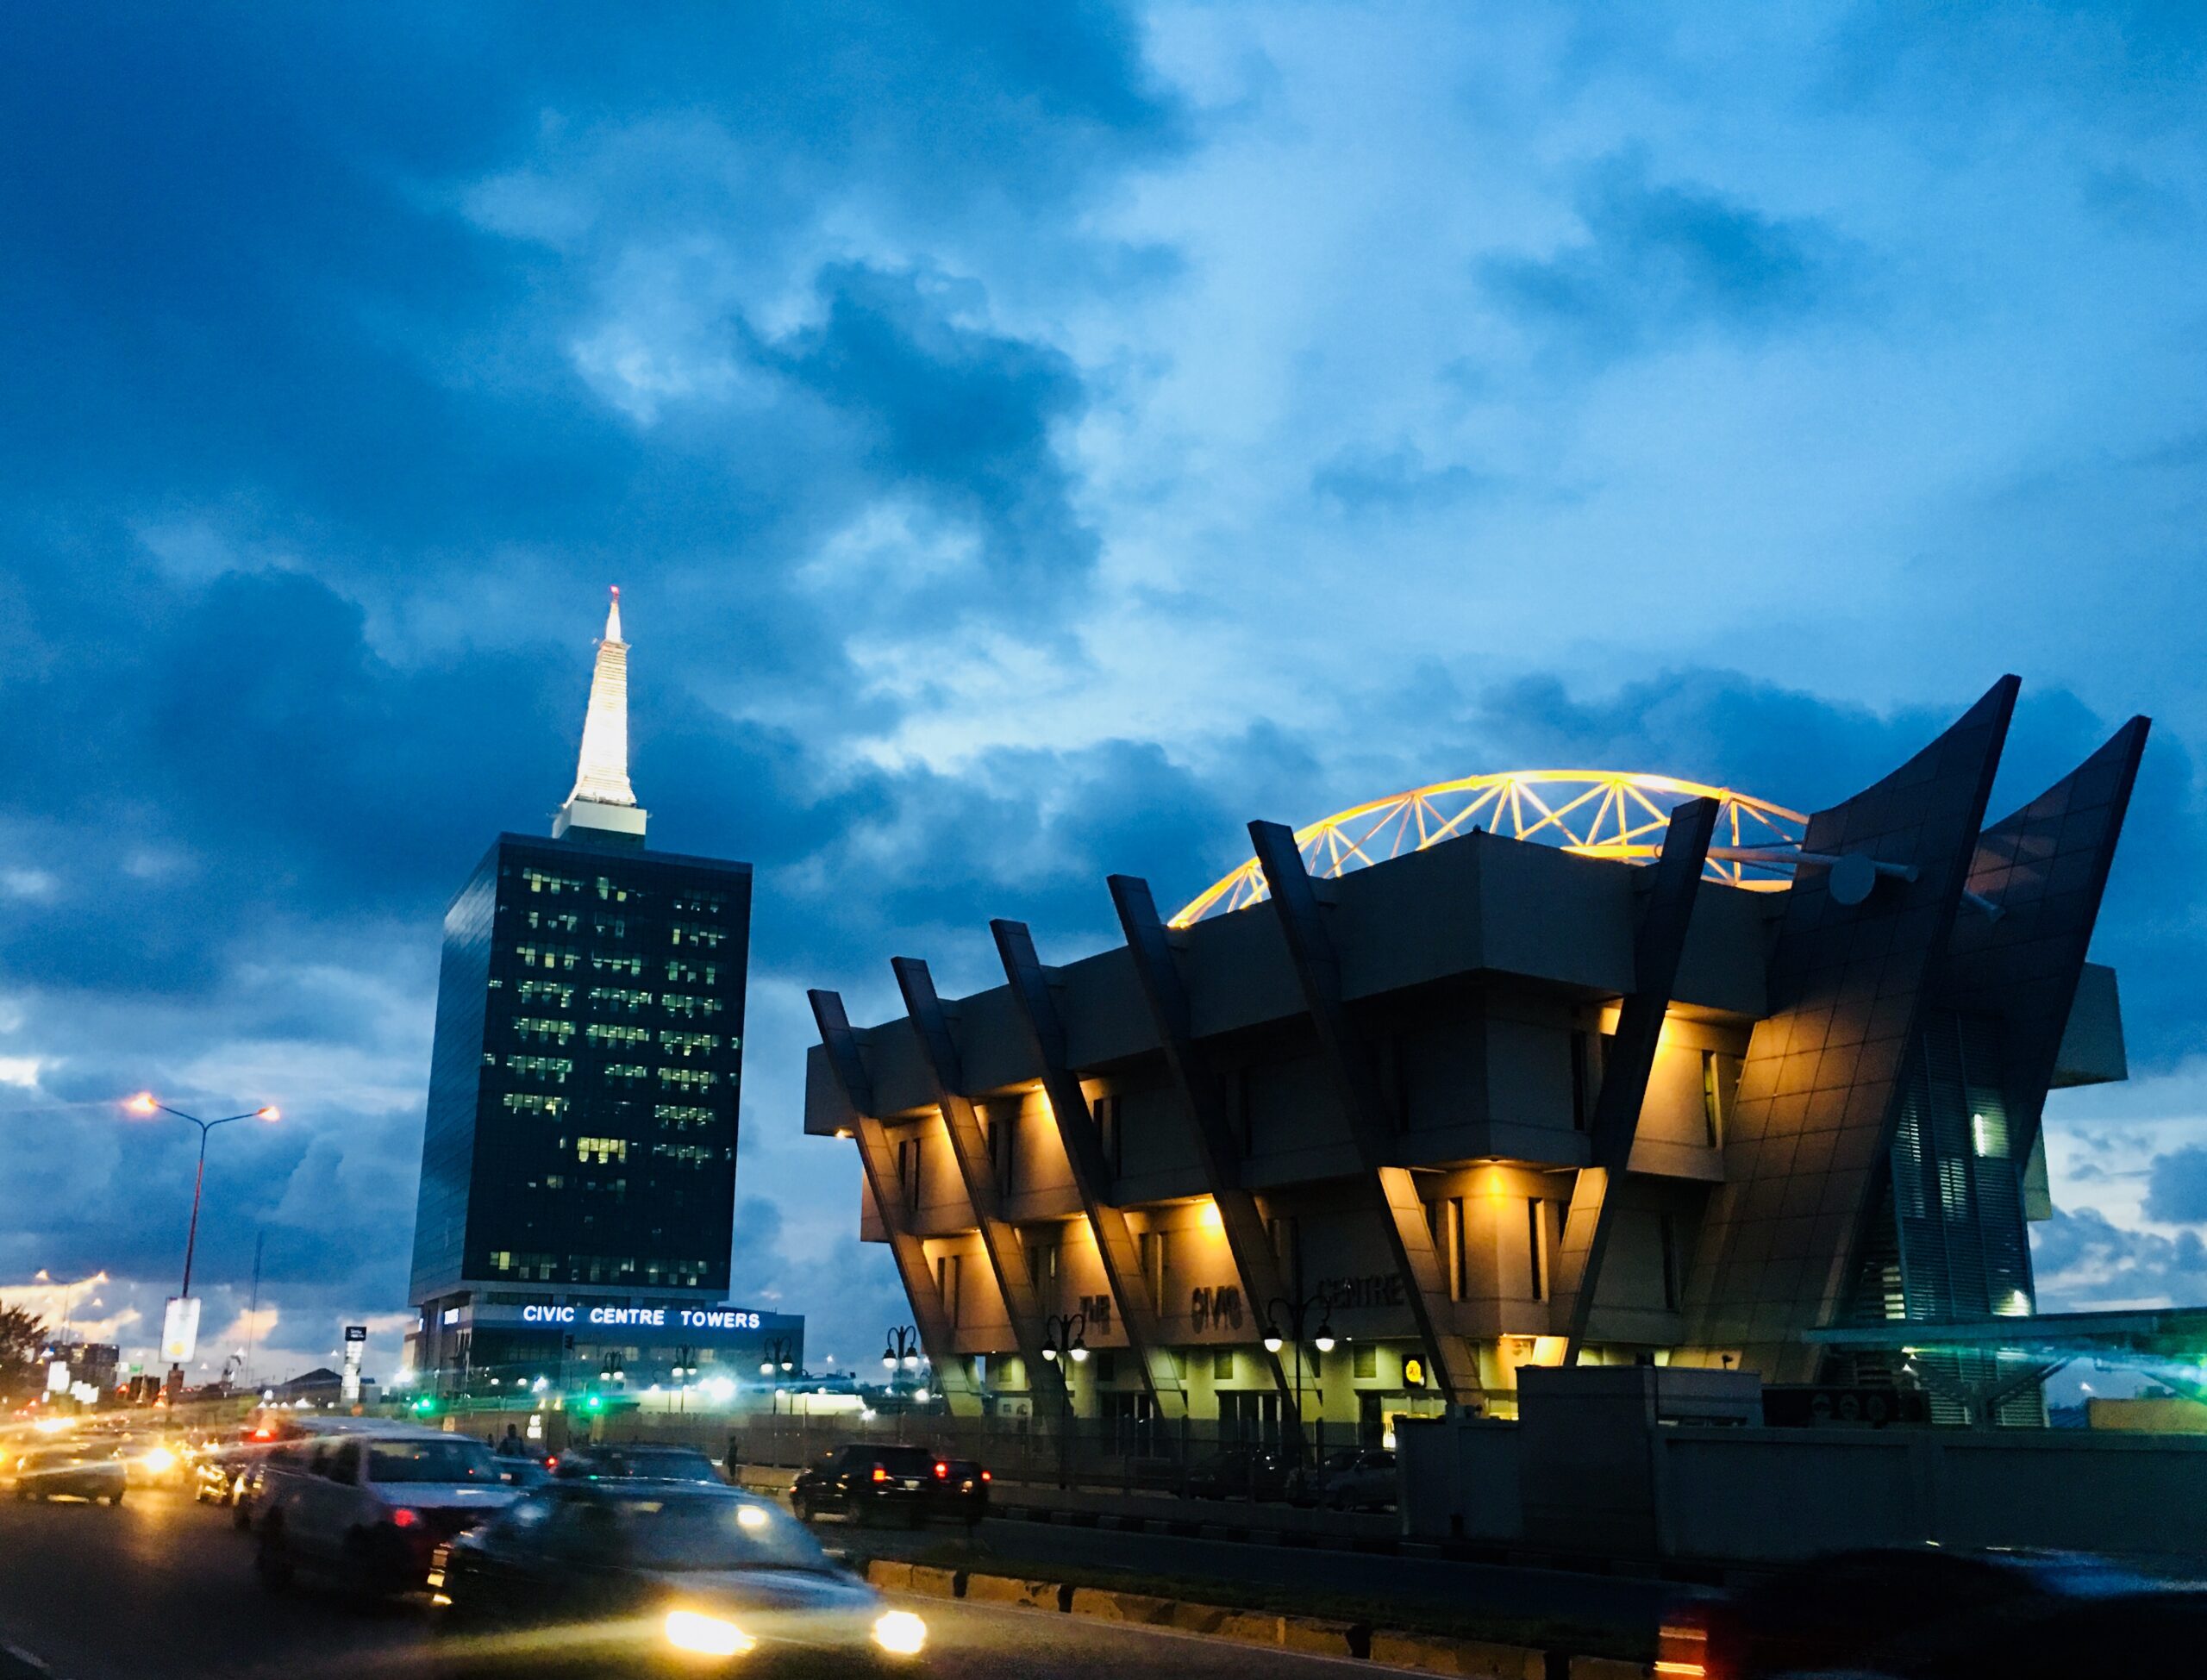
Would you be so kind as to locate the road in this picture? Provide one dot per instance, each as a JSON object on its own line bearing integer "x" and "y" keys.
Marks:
{"x": 163, "y": 1587}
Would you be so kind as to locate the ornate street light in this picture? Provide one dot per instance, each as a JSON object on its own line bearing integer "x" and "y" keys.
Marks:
{"x": 1296, "y": 1317}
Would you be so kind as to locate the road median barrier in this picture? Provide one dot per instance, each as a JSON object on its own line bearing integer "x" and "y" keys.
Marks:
{"x": 1013, "y": 1590}
{"x": 1474, "y": 1659}
{"x": 1324, "y": 1636}
{"x": 1136, "y": 1607}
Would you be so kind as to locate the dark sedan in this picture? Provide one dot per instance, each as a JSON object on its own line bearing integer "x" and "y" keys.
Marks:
{"x": 643, "y": 1578}
{"x": 1239, "y": 1472}
{"x": 88, "y": 1473}
{"x": 866, "y": 1483}
{"x": 1941, "y": 1613}
{"x": 961, "y": 1490}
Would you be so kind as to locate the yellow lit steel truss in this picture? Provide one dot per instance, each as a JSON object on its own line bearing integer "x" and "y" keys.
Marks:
{"x": 1594, "y": 813}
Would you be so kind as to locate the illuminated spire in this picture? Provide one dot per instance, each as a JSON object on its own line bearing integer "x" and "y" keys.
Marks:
{"x": 603, "y": 799}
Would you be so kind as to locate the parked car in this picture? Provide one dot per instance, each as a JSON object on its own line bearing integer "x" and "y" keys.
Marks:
{"x": 654, "y": 1577}
{"x": 1306, "y": 1483}
{"x": 368, "y": 1508}
{"x": 867, "y": 1482}
{"x": 960, "y": 1491}
{"x": 634, "y": 1461}
{"x": 1369, "y": 1482}
{"x": 86, "y": 1471}
{"x": 1239, "y": 1472}
{"x": 1939, "y": 1614}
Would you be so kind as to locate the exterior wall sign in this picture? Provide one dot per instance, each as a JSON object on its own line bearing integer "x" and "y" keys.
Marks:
{"x": 1378, "y": 1290}
{"x": 654, "y": 1318}
{"x": 1216, "y": 1304}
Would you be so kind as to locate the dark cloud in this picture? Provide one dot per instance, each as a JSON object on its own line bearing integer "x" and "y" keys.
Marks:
{"x": 2083, "y": 1261}
{"x": 2175, "y": 1193}
{"x": 1662, "y": 260}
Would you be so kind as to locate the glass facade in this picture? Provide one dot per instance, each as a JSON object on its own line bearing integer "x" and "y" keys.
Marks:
{"x": 582, "y": 1090}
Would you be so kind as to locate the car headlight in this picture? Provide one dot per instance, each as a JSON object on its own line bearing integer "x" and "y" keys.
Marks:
{"x": 900, "y": 1634}
{"x": 708, "y": 1636}
{"x": 161, "y": 1461}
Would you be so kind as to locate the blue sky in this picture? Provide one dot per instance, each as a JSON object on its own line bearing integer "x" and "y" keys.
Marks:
{"x": 1031, "y": 443}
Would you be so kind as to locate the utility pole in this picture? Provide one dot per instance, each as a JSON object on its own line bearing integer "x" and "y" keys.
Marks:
{"x": 253, "y": 1311}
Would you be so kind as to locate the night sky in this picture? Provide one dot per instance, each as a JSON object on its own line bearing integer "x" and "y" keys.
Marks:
{"x": 1031, "y": 442}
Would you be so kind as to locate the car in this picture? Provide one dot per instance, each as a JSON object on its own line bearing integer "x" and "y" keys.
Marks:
{"x": 368, "y": 1508}
{"x": 84, "y": 1470}
{"x": 1369, "y": 1482}
{"x": 1938, "y": 1613}
{"x": 252, "y": 1484}
{"x": 1238, "y": 1472}
{"x": 521, "y": 1473}
{"x": 626, "y": 1575}
{"x": 634, "y": 1461}
{"x": 864, "y": 1483}
{"x": 1306, "y": 1483}
{"x": 960, "y": 1491}
{"x": 154, "y": 1461}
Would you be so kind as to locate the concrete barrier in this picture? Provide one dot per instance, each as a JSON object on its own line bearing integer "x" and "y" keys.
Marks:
{"x": 1609, "y": 1668}
{"x": 936, "y": 1582}
{"x": 1321, "y": 1636}
{"x": 1136, "y": 1607}
{"x": 889, "y": 1575}
{"x": 1473, "y": 1659}
{"x": 1010, "y": 1590}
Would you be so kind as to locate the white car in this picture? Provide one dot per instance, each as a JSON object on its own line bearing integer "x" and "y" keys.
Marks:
{"x": 369, "y": 1508}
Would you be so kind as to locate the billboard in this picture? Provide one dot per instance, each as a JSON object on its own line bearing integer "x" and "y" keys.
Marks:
{"x": 180, "y": 1329}
{"x": 356, "y": 1346}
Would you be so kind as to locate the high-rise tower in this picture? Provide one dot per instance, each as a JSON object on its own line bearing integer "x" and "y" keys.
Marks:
{"x": 579, "y": 1160}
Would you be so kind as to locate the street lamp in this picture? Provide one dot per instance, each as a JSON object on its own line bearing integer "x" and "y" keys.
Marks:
{"x": 1297, "y": 1316}
{"x": 146, "y": 1104}
{"x": 779, "y": 1353}
{"x": 900, "y": 1350}
{"x": 1065, "y": 1336}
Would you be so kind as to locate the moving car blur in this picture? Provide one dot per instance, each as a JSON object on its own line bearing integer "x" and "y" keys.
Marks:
{"x": 624, "y": 1576}
{"x": 367, "y": 1508}
{"x": 87, "y": 1470}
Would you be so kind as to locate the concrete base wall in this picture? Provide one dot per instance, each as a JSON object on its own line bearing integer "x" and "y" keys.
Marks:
{"x": 1759, "y": 1495}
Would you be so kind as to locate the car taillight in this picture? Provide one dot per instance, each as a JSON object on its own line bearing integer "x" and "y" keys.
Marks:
{"x": 985, "y": 1477}
{"x": 879, "y": 1474}
{"x": 1682, "y": 1648}
{"x": 941, "y": 1470}
{"x": 403, "y": 1518}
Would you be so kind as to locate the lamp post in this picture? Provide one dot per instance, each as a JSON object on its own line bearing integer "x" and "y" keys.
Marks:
{"x": 1064, "y": 1341}
{"x": 147, "y": 1104}
{"x": 1297, "y": 1316}
{"x": 900, "y": 1350}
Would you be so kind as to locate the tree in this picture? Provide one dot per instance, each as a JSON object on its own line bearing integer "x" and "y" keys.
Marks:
{"x": 24, "y": 1337}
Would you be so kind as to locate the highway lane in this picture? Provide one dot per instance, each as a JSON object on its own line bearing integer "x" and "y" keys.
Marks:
{"x": 164, "y": 1587}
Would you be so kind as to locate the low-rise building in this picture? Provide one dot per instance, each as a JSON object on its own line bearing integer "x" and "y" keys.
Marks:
{"x": 1530, "y": 1069}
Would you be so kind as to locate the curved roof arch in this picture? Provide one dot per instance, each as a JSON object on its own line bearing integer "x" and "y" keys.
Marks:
{"x": 1594, "y": 813}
